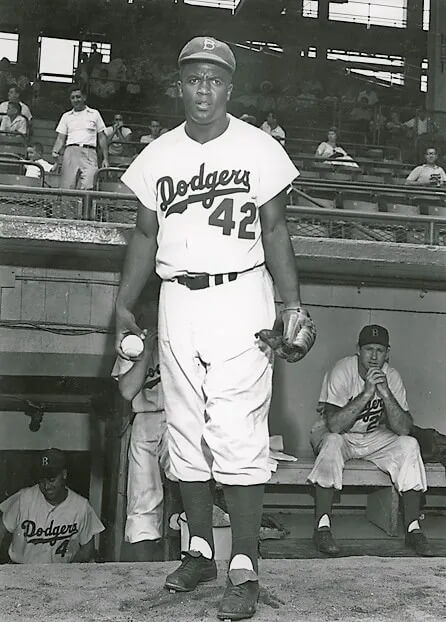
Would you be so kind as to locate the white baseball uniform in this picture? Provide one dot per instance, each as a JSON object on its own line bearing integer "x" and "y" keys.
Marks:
{"x": 148, "y": 455}
{"x": 369, "y": 438}
{"x": 46, "y": 534}
{"x": 216, "y": 375}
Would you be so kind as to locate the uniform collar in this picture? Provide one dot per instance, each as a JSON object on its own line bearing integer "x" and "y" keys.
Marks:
{"x": 86, "y": 109}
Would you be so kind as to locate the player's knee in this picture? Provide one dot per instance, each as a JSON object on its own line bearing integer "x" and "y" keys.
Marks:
{"x": 332, "y": 442}
{"x": 408, "y": 444}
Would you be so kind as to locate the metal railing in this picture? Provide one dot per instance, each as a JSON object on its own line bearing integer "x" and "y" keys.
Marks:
{"x": 310, "y": 220}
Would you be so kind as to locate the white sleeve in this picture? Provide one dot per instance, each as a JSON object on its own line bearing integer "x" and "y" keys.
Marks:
{"x": 62, "y": 127}
{"x": 338, "y": 389}
{"x": 276, "y": 170}
{"x": 443, "y": 174}
{"x": 91, "y": 525}
{"x": 398, "y": 389}
{"x": 100, "y": 125}
{"x": 46, "y": 166}
{"x": 139, "y": 177}
{"x": 121, "y": 367}
{"x": 10, "y": 508}
{"x": 414, "y": 175}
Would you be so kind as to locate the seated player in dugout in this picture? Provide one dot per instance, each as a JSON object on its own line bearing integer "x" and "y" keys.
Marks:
{"x": 49, "y": 522}
{"x": 365, "y": 415}
{"x": 148, "y": 459}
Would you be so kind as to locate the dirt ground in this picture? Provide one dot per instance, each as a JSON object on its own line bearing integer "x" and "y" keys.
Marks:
{"x": 345, "y": 589}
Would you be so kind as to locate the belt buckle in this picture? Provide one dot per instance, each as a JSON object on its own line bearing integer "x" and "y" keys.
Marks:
{"x": 197, "y": 282}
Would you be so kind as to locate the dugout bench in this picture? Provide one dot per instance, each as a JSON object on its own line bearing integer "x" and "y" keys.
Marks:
{"x": 382, "y": 502}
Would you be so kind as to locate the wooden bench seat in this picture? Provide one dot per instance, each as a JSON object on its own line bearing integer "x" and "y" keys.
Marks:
{"x": 382, "y": 503}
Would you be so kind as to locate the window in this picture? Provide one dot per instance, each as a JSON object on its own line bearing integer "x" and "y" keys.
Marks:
{"x": 377, "y": 12}
{"x": 59, "y": 57}
{"x": 310, "y": 8}
{"x": 9, "y": 45}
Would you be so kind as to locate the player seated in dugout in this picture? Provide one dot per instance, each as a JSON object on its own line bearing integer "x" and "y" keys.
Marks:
{"x": 364, "y": 414}
{"x": 48, "y": 522}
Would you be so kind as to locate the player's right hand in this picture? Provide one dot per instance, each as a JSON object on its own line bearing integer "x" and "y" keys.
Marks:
{"x": 374, "y": 376}
{"x": 125, "y": 324}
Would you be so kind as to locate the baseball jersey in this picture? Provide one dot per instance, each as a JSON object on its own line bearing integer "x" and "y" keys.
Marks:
{"x": 45, "y": 533}
{"x": 150, "y": 397}
{"x": 344, "y": 383}
{"x": 82, "y": 127}
{"x": 426, "y": 175}
{"x": 208, "y": 196}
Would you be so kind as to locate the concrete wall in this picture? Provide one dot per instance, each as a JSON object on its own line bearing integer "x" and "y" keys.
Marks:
{"x": 416, "y": 321}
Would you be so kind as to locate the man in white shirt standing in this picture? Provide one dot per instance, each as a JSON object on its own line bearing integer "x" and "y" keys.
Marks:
{"x": 79, "y": 131}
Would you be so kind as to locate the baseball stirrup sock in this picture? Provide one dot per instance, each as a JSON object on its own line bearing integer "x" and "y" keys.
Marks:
{"x": 411, "y": 506}
{"x": 245, "y": 506}
{"x": 324, "y": 503}
{"x": 198, "y": 501}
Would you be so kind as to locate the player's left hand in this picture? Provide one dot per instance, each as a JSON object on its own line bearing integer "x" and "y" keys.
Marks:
{"x": 381, "y": 386}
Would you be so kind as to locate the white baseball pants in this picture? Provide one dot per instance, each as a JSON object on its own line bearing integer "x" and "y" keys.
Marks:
{"x": 148, "y": 458}
{"x": 399, "y": 456}
{"x": 217, "y": 378}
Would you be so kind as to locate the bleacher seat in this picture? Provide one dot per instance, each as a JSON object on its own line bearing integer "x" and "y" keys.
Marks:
{"x": 335, "y": 176}
{"x": 114, "y": 186}
{"x": 359, "y": 202}
{"x": 371, "y": 179}
{"x": 395, "y": 205}
{"x": 19, "y": 180}
{"x": 310, "y": 174}
{"x": 324, "y": 198}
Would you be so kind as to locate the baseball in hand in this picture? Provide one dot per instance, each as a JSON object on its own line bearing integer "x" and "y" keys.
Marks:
{"x": 132, "y": 345}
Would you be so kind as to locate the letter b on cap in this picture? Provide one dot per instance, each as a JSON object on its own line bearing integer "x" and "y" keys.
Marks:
{"x": 375, "y": 332}
{"x": 208, "y": 44}
{"x": 44, "y": 461}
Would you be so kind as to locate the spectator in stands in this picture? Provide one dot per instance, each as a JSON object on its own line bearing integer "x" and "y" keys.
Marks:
{"x": 100, "y": 86}
{"x": 14, "y": 122}
{"x": 364, "y": 414}
{"x": 370, "y": 95}
{"x": 14, "y": 96}
{"x": 247, "y": 99}
{"x": 331, "y": 152}
{"x": 394, "y": 129}
{"x": 95, "y": 57}
{"x": 249, "y": 118}
{"x": 117, "y": 134}
{"x": 361, "y": 115}
{"x": 6, "y": 77}
{"x": 306, "y": 100}
{"x": 265, "y": 100}
{"x": 155, "y": 132}
{"x": 272, "y": 127}
{"x": 81, "y": 75}
{"x": 34, "y": 153}
{"x": 25, "y": 88}
{"x": 420, "y": 124}
{"x": 429, "y": 173}
{"x": 79, "y": 131}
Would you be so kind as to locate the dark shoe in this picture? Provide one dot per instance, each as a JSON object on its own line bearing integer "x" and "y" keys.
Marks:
{"x": 239, "y": 601}
{"x": 417, "y": 541}
{"x": 194, "y": 569}
{"x": 325, "y": 543}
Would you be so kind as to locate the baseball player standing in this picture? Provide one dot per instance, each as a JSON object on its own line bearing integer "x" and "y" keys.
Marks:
{"x": 366, "y": 416}
{"x": 49, "y": 522}
{"x": 140, "y": 383}
{"x": 212, "y": 223}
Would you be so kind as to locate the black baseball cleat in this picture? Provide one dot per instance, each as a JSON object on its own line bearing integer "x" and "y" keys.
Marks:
{"x": 239, "y": 602}
{"x": 194, "y": 569}
{"x": 325, "y": 543}
{"x": 417, "y": 541}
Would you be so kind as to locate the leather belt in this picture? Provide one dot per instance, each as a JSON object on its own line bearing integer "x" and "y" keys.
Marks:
{"x": 79, "y": 145}
{"x": 201, "y": 281}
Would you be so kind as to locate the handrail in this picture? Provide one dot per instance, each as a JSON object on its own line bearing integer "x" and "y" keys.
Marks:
{"x": 385, "y": 148}
{"x": 22, "y": 163}
{"x": 105, "y": 169}
{"x": 371, "y": 188}
{"x": 358, "y": 160}
{"x": 377, "y": 216}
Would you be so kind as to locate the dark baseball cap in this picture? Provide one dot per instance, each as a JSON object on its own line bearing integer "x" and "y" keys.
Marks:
{"x": 51, "y": 463}
{"x": 209, "y": 50}
{"x": 373, "y": 334}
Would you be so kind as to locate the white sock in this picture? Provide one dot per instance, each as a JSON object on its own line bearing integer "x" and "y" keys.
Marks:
{"x": 201, "y": 546}
{"x": 413, "y": 525}
{"x": 241, "y": 562}
{"x": 324, "y": 521}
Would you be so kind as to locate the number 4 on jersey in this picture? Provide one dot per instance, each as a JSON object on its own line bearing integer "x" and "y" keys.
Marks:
{"x": 62, "y": 548}
{"x": 223, "y": 216}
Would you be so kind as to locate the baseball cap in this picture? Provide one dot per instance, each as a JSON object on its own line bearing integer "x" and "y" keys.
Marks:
{"x": 208, "y": 49}
{"x": 373, "y": 334}
{"x": 51, "y": 463}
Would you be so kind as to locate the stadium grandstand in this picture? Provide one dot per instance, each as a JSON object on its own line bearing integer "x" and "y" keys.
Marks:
{"x": 355, "y": 91}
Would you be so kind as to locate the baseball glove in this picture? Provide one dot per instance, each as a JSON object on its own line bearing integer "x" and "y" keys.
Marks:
{"x": 292, "y": 335}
